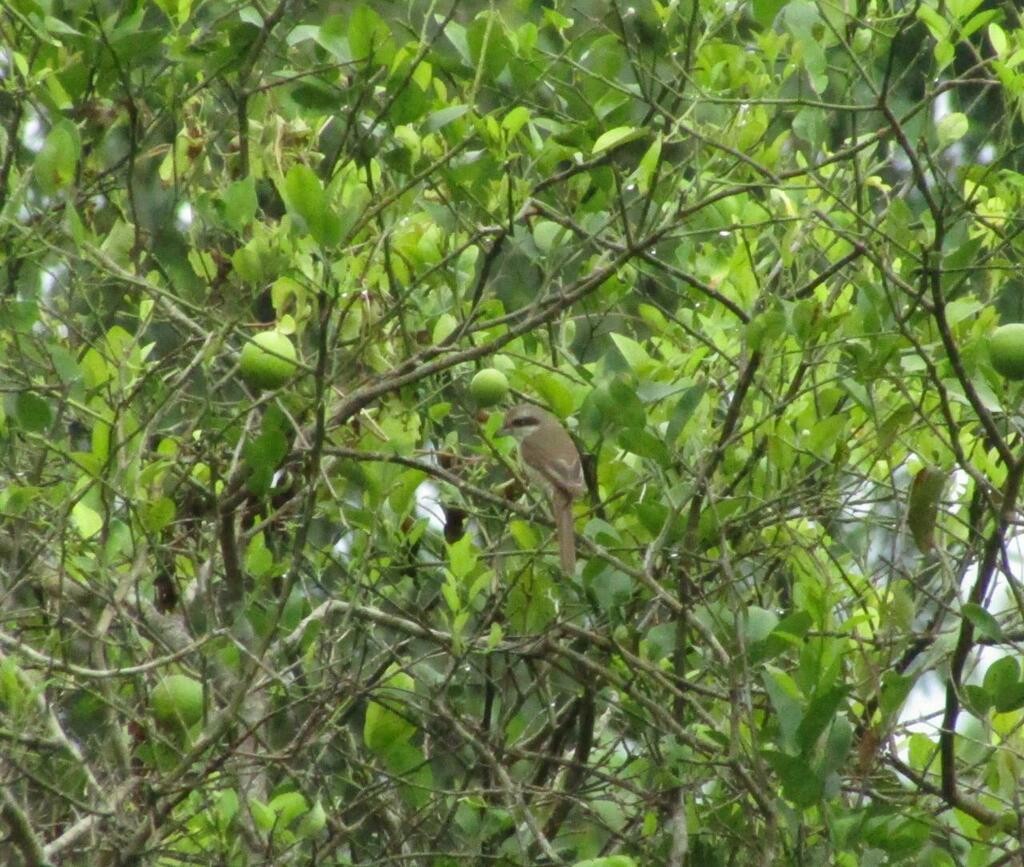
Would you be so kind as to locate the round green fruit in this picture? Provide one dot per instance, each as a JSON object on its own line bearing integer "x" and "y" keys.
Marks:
{"x": 268, "y": 360}
{"x": 488, "y": 387}
{"x": 1006, "y": 349}
{"x": 177, "y": 700}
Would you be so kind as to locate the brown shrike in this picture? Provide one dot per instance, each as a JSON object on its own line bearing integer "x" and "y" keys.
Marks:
{"x": 551, "y": 462}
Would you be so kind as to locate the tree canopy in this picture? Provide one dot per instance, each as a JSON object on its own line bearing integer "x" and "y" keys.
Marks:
{"x": 262, "y": 609}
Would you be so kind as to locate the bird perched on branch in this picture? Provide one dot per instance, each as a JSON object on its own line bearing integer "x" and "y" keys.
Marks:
{"x": 551, "y": 462}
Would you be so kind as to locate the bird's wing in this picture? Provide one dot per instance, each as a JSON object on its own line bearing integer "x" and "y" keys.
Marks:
{"x": 560, "y": 468}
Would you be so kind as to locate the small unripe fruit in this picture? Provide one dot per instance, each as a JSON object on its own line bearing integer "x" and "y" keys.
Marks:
{"x": 268, "y": 360}
{"x": 1006, "y": 349}
{"x": 488, "y": 387}
{"x": 177, "y": 700}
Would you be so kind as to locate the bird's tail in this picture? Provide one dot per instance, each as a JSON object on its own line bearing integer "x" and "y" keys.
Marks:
{"x": 566, "y": 532}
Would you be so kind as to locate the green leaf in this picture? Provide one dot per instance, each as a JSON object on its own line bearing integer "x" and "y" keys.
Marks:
{"x": 902, "y": 837}
{"x": 548, "y": 235}
{"x": 811, "y": 125}
{"x": 612, "y": 406}
{"x": 368, "y": 34}
{"x": 977, "y": 700}
{"x": 952, "y": 127}
{"x": 158, "y": 514}
{"x": 617, "y": 137}
{"x": 787, "y": 635}
{"x": 819, "y": 714}
{"x": 462, "y": 557}
{"x": 259, "y": 560}
{"x": 57, "y": 161}
{"x": 784, "y": 696}
{"x": 923, "y": 506}
{"x": 32, "y": 412}
{"x": 626, "y": 409}
{"x": 556, "y": 393}
{"x": 524, "y": 534}
{"x": 488, "y": 43}
{"x": 635, "y": 355}
{"x": 59, "y": 27}
{"x": 825, "y": 435}
{"x": 1001, "y": 676}
{"x": 766, "y": 10}
{"x": 1003, "y": 685}
{"x": 262, "y": 458}
{"x": 262, "y": 815}
{"x": 800, "y": 784}
{"x": 304, "y": 196}
{"x": 314, "y": 95}
{"x": 87, "y": 521}
{"x": 288, "y": 806}
{"x": 409, "y": 105}
{"x": 402, "y": 496}
{"x": 803, "y": 20}
{"x": 557, "y": 20}
{"x": 515, "y": 120}
{"x": 610, "y": 588}
{"x": 837, "y": 745}
{"x": 997, "y": 39}
{"x": 980, "y": 20}
{"x": 922, "y": 750}
{"x": 19, "y": 315}
{"x": 938, "y": 25}
{"x": 495, "y": 635}
{"x": 406, "y": 761}
{"x": 683, "y": 411}
{"x": 985, "y": 623}
{"x": 645, "y": 444}
{"x": 226, "y": 808}
{"x": 331, "y": 35}
{"x": 239, "y": 203}
{"x": 386, "y": 722}
{"x": 795, "y": 624}
{"x": 1010, "y": 699}
{"x": 759, "y": 623}
{"x": 444, "y": 326}
{"x": 441, "y": 118}
{"x": 314, "y": 821}
{"x": 15, "y": 499}
{"x": 648, "y": 165}
{"x": 303, "y": 193}
{"x": 895, "y": 689}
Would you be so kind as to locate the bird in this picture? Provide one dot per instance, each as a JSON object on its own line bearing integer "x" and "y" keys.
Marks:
{"x": 552, "y": 463}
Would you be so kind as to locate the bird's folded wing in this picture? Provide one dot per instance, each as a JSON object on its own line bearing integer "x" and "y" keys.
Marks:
{"x": 564, "y": 474}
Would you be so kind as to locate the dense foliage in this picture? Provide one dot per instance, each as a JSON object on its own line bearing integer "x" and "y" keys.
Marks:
{"x": 750, "y": 252}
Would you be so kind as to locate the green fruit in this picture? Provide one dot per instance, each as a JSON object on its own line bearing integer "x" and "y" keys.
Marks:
{"x": 268, "y": 360}
{"x": 177, "y": 699}
{"x": 1006, "y": 349}
{"x": 488, "y": 387}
